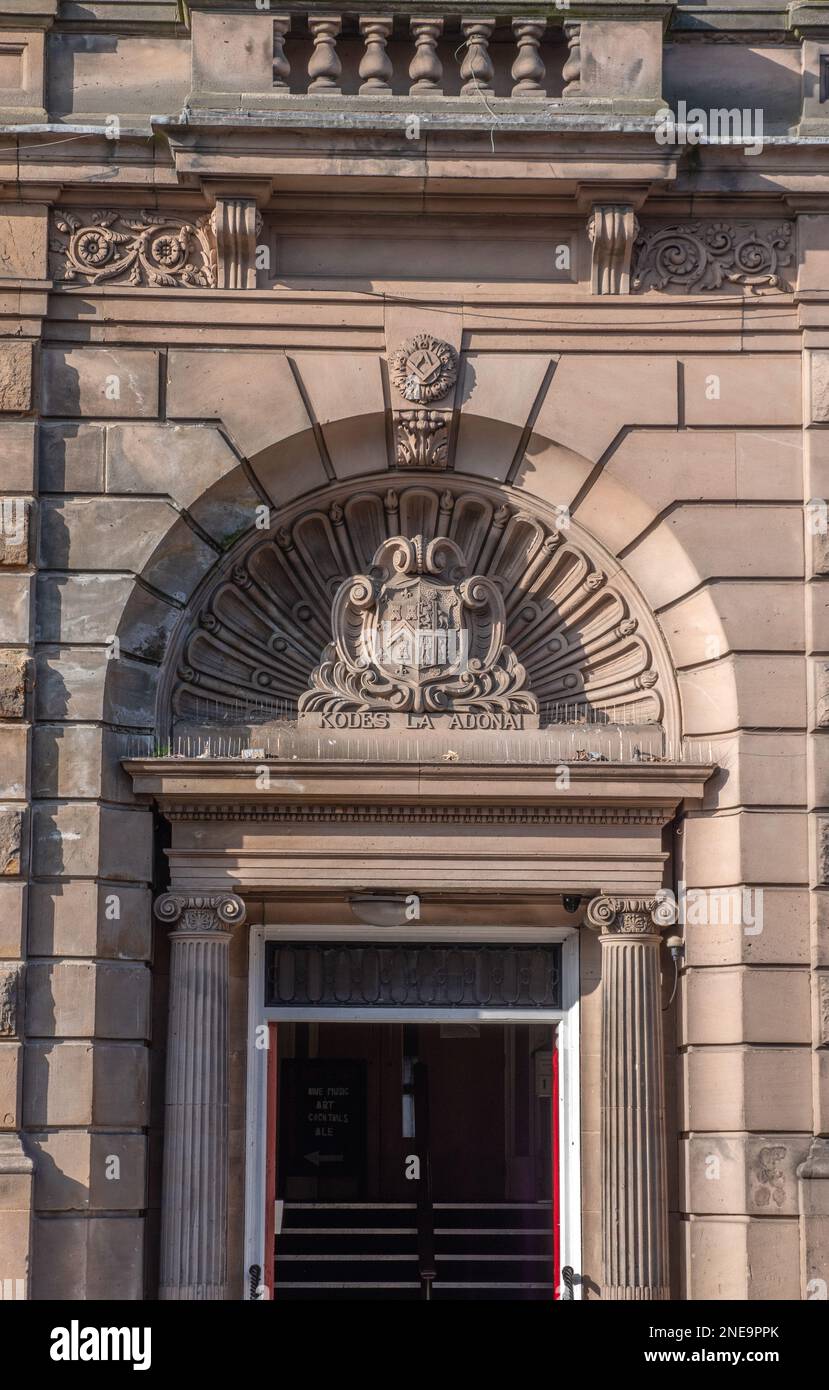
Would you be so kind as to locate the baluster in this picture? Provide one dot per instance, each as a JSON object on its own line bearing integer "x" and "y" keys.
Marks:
{"x": 476, "y": 68}
{"x": 528, "y": 70}
{"x": 324, "y": 67}
{"x": 571, "y": 72}
{"x": 281, "y": 66}
{"x": 426, "y": 69}
{"x": 375, "y": 66}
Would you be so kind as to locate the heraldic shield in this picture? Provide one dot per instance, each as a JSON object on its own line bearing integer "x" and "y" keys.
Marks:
{"x": 417, "y": 636}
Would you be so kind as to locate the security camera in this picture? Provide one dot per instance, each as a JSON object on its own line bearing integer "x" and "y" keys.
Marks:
{"x": 572, "y": 902}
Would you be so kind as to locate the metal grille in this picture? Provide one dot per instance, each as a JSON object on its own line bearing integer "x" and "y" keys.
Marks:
{"x": 329, "y": 975}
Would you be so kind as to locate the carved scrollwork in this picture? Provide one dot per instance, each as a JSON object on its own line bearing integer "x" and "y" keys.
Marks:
{"x": 141, "y": 249}
{"x": 196, "y": 912}
{"x": 417, "y": 635}
{"x": 694, "y": 256}
{"x": 614, "y": 916}
{"x": 11, "y": 989}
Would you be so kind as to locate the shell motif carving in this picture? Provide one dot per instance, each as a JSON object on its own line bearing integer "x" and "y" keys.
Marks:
{"x": 265, "y": 628}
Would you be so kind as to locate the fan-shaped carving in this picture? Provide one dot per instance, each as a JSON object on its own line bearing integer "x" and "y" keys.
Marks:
{"x": 262, "y": 632}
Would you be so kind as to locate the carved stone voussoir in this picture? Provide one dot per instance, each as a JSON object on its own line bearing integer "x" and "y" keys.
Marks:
{"x": 422, "y": 439}
{"x": 691, "y": 256}
{"x": 424, "y": 369}
{"x": 144, "y": 248}
{"x": 195, "y": 912}
{"x": 628, "y": 916}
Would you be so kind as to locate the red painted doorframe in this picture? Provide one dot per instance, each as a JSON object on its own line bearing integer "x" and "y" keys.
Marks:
{"x": 271, "y": 1157}
{"x": 556, "y": 1171}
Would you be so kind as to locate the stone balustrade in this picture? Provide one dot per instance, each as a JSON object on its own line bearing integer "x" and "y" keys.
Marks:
{"x": 526, "y": 58}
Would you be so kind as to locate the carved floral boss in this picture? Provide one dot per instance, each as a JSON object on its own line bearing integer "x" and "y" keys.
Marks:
{"x": 417, "y": 636}
{"x": 134, "y": 249}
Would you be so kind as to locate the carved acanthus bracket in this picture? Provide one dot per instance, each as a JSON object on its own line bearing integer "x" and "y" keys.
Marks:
{"x": 196, "y": 912}
{"x": 422, "y": 439}
{"x": 691, "y": 256}
{"x": 144, "y": 248}
{"x": 623, "y": 916}
{"x": 236, "y": 223}
{"x": 612, "y": 230}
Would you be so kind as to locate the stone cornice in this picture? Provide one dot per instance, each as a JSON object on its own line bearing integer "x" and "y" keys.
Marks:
{"x": 221, "y": 786}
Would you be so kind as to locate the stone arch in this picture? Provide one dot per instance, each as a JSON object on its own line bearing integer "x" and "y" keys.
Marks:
{"x": 285, "y": 452}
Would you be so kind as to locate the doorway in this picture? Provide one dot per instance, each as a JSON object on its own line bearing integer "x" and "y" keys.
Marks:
{"x": 412, "y": 1160}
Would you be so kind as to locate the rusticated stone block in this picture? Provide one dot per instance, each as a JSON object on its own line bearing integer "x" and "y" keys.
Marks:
{"x": 12, "y": 920}
{"x": 23, "y": 234}
{"x": 17, "y": 449}
{"x": 81, "y": 839}
{"x": 87, "y": 1257}
{"x": 81, "y": 918}
{"x": 821, "y": 672}
{"x": 100, "y": 382}
{"x": 14, "y": 670}
{"x": 83, "y": 998}
{"x": 820, "y": 388}
{"x": 11, "y": 1077}
{"x": 15, "y": 603}
{"x": 15, "y": 513}
{"x": 79, "y": 1171}
{"x": 77, "y": 683}
{"x": 742, "y": 1174}
{"x": 192, "y": 464}
{"x": 15, "y": 377}
{"x": 14, "y": 744}
{"x": 71, "y": 457}
{"x": 11, "y": 838}
{"x": 79, "y": 1083}
{"x": 11, "y": 999}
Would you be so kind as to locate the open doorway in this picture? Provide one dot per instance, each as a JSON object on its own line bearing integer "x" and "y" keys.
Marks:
{"x": 414, "y": 1160}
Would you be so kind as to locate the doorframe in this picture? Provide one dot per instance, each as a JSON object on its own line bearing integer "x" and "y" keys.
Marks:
{"x": 566, "y": 1018}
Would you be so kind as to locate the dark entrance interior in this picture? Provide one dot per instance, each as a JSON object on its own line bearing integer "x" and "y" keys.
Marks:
{"x": 414, "y": 1160}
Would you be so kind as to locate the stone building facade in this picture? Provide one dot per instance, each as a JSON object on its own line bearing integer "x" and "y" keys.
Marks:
{"x": 323, "y": 330}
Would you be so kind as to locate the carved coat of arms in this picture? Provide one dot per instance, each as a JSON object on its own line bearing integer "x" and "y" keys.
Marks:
{"x": 417, "y": 635}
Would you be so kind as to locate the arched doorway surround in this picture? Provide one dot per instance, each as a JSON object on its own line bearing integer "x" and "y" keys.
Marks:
{"x": 526, "y": 818}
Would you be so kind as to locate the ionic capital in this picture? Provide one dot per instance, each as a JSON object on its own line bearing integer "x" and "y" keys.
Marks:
{"x": 629, "y": 917}
{"x": 197, "y": 912}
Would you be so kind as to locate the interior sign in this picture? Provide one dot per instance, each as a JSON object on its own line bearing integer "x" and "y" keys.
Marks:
{"x": 325, "y": 1101}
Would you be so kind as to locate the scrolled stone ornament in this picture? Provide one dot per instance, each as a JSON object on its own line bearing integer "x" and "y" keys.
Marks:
{"x": 691, "y": 256}
{"x": 625, "y": 916}
{"x": 200, "y": 912}
{"x": 140, "y": 249}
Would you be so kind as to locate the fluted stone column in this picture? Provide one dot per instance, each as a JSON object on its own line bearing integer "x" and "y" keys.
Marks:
{"x": 634, "y": 1179}
{"x": 194, "y": 1183}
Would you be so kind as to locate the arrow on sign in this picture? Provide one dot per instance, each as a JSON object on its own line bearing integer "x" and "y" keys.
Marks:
{"x": 318, "y": 1158}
